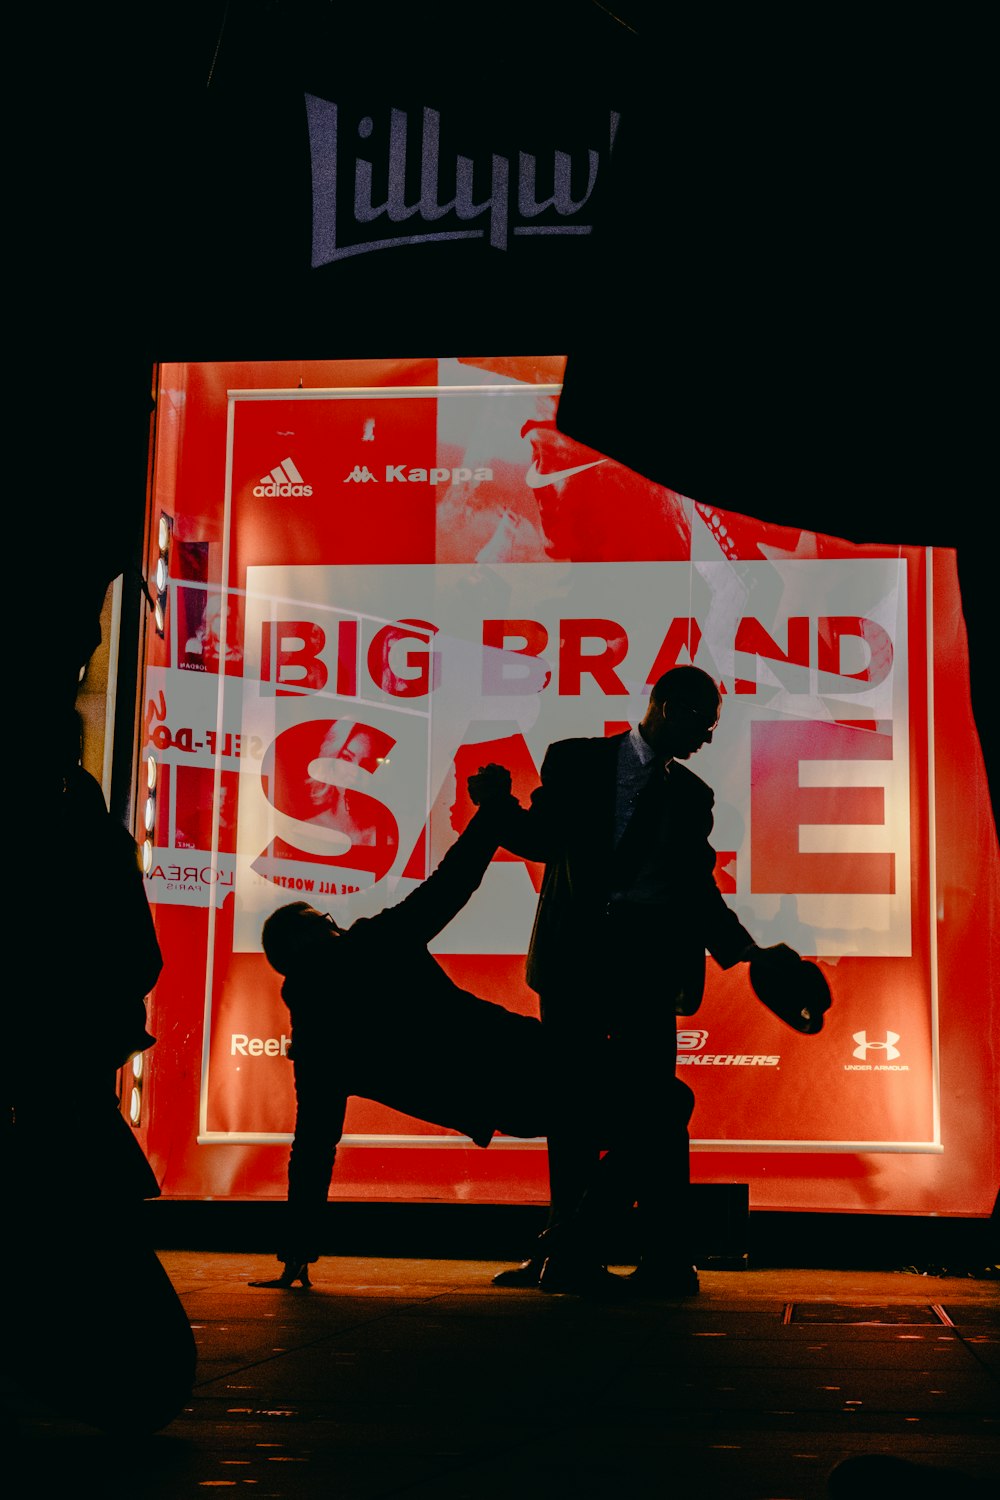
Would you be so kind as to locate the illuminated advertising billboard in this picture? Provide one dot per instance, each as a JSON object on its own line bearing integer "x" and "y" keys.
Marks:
{"x": 377, "y": 577}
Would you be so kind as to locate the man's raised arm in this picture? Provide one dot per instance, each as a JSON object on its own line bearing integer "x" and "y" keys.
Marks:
{"x": 427, "y": 910}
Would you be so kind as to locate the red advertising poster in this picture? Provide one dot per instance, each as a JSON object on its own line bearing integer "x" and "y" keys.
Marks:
{"x": 376, "y": 578}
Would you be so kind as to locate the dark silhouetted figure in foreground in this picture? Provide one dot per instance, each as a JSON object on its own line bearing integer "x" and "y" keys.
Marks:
{"x": 872, "y": 1476}
{"x": 85, "y": 1293}
{"x": 375, "y": 1015}
{"x": 628, "y": 906}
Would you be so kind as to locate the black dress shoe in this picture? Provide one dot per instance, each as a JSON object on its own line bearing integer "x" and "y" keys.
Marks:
{"x": 663, "y": 1281}
{"x": 524, "y": 1275}
{"x": 561, "y": 1273}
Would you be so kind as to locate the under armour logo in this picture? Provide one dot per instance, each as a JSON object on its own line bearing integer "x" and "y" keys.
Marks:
{"x": 888, "y": 1046}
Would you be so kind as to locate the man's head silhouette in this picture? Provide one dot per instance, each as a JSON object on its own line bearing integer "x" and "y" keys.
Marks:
{"x": 292, "y": 932}
{"x": 683, "y": 712}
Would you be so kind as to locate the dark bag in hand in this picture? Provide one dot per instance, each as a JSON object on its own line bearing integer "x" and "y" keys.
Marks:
{"x": 792, "y": 987}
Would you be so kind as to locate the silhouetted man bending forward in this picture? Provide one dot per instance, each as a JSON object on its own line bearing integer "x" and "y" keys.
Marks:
{"x": 628, "y": 906}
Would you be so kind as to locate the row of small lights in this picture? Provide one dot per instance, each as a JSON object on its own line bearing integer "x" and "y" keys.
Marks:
{"x": 162, "y": 575}
{"x": 135, "y": 1094}
{"x": 149, "y": 816}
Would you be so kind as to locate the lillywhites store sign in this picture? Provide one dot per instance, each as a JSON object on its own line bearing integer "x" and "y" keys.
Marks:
{"x": 384, "y": 179}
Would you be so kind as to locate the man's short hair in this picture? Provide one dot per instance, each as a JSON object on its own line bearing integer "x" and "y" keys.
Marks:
{"x": 689, "y": 684}
{"x": 281, "y": 934}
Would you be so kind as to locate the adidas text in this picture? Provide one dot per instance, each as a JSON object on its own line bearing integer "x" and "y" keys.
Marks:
{"x": 284, "y": 480}
{"x": 273, "y": 490}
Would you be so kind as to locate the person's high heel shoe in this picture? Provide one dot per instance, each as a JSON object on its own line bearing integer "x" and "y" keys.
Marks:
{"x": 527, "y": 1273}
{"x": 294, "y": 1271}
{"x": 524, "y": 1275}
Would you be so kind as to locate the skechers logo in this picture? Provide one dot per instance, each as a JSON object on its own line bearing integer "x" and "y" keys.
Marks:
{"x": 284, "y": 480}
{"x": 690, "y": 1052}
{"x": 691, "y": 1040}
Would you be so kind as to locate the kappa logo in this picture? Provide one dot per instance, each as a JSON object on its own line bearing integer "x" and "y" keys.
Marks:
{"x": 889, "y": 1047}
{"x": 284, "y": 480}
{"x": 400, "y": 474}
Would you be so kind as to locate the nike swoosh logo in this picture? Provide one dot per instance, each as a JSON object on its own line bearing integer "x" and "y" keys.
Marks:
{"x": 536, "y": 481}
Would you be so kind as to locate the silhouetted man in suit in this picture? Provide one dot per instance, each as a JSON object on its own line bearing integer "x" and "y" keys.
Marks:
{"x": 628, "y": 906}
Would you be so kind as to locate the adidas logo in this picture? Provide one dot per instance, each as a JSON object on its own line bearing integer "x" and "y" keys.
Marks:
{"x": 283, "y": 480}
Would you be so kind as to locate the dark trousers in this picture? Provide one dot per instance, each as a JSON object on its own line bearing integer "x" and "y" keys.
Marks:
{"x": 614, "y": 1036}
{"x": 647, "y": 1165}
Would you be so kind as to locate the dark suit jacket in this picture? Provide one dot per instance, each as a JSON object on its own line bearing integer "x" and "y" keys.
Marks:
{"x": 570, "y": 826}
